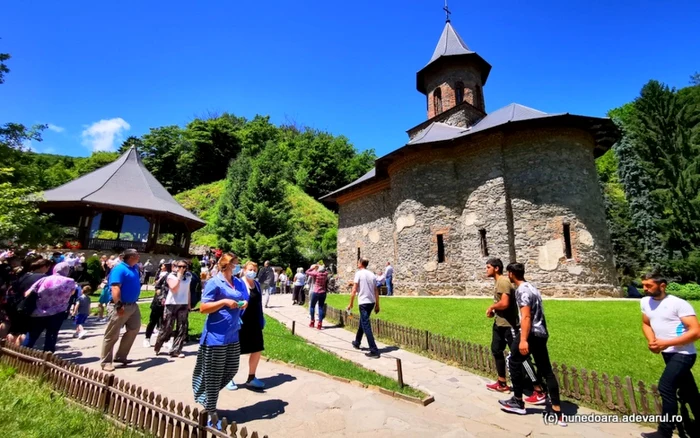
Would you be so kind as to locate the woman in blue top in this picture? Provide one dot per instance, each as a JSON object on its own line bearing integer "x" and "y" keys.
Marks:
{"x": 219, "y": 351}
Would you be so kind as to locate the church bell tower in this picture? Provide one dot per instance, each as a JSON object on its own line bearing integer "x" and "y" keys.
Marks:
{"x": 454, "y": 75}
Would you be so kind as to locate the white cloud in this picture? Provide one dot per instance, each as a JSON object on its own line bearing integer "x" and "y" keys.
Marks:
{"x": 56, "y": 128}
{"x": 27, "y": 145}
{"x": 101, "y": 136}
{"x": 48, "y": 150}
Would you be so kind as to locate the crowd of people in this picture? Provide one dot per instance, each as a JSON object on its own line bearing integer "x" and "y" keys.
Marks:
{"x": 38, "y": 293}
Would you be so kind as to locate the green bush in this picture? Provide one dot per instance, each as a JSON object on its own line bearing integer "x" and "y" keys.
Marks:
{"x": 94, "y": 272}
{"x": 690, "y": 291}
{"x": 196, "y": 265}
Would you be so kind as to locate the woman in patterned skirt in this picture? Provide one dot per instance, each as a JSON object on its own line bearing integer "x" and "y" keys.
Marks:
{"x": 219, "y": 352}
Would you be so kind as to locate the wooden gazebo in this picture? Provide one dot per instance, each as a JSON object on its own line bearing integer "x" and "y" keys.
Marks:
{"x": 124, "y": 202}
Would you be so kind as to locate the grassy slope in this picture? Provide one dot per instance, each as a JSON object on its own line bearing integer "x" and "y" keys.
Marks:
{"x": 605, "y": 336}
{"x": 308, "y": 215}
{"x": 280, "y": 344}
{"x": 31, "y": 410}
{"x": 202, "y": 202}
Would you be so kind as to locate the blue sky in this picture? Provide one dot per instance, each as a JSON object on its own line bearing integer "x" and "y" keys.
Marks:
{"x": 101, "y": 71}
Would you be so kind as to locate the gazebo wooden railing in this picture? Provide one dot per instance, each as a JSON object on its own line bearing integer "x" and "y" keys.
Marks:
{"x": 112, "y": 245}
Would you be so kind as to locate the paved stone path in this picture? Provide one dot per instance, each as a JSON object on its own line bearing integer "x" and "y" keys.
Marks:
{"x": 297, "y": 403}
{"x": 458, "y": 393}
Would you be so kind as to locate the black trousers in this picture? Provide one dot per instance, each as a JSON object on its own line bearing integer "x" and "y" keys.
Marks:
{"x": 298, "y": 294}
{"x": 676, "y": 383}
{"x": 539, "y": 352}
{"x": 501, "y": 338}
{"x": 155, "y": 320}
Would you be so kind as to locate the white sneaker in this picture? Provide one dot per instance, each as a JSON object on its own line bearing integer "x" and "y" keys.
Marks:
{"x": 81, "y": 335}
{"x": 146, "y": 343}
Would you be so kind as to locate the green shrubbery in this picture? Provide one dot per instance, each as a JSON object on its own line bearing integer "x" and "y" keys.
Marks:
{"x": 690, "y": 291}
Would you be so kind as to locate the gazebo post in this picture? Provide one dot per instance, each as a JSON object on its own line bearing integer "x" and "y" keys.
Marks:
{"x": 188, "y": 238}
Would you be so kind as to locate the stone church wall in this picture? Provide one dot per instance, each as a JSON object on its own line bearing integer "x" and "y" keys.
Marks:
{"x": 364, "y": 223}
{"x": 547, "y": 176}
{"x": 552, "y": 180}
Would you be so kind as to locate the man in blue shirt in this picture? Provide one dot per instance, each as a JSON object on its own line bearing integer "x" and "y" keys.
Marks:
{"x": 125, "y": 282}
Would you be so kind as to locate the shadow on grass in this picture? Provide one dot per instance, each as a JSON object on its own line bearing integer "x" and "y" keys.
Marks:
{"x": 264, "y": 410}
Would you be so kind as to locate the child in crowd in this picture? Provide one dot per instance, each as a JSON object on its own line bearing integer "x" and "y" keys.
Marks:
{"x": 81, "y": 311}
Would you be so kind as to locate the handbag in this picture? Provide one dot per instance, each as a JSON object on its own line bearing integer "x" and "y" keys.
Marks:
{"x": 27, "y": 305}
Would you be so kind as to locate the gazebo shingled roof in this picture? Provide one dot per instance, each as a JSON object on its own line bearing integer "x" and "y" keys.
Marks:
{"x": 124, "y": 184}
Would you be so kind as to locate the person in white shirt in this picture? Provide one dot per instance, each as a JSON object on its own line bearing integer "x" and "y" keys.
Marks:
{"x": 671, "y": 327}
{"x": 177, "y": 308}
{"x": 389, "y": 279}
{"x": 365, "y": 287}
{"x": 299, "y": 281}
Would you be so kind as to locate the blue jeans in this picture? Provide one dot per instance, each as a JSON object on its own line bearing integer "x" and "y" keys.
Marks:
{"x": 677, "y": 382}
{"x": 366, "y": 328}
{"x": 389, "y": 286}
{"x": 52, "y": 325}
{"x": 319, "y": 298}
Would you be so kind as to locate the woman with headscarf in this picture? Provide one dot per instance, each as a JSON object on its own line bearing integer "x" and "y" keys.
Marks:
{"x": 251, "y": 333}
{"x": 52, "y": 295}
{"x": 219, "y": 351}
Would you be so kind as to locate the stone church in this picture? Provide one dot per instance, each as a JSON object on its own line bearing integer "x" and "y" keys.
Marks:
{"x": 515, "y": 183}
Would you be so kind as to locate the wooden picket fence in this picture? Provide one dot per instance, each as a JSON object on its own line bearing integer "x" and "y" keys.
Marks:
{"x": 598, "y": 390}
{"x": 129, "y": 405}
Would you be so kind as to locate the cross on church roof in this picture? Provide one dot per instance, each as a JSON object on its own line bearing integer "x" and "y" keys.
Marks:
{"x": 447, "y": 12}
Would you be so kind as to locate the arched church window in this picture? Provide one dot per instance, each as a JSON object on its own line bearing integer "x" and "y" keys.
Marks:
{"x": 459, "y": 93}
{"x": 437, "y": 100}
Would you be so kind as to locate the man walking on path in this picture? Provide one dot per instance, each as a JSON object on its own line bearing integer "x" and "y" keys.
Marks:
{"x": 125, "y": 281}
{"x": 506, "y": 322}
{"x": 266, "y": 278}
{"x": 317, "y": 293}
{"x": 389, "y": 279}
{"x": 671, "y": 327}
{"x": 531, "y": 339}
{"x": 365, "y": 287}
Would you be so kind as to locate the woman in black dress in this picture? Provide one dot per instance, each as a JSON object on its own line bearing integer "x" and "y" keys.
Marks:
{"x": 250, "y": 336}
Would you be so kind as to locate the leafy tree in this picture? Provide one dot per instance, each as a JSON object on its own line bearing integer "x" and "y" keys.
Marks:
{"x": 17, "y": 211}
{"x": 130, "y": 142}
{"x": 162, "y": 153}
{"x": 95, "y": 161}
{"x": 214, "y": 143}
{"x": 3, "y": 67}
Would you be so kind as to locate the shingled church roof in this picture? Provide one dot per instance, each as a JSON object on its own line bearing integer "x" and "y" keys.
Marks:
{"x": 452, "y": 46}
{"x": 124, "y": 184}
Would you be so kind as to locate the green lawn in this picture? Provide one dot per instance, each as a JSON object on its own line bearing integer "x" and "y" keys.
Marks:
{"x": 604, "y": 336}
{"x": 145, "y": 294}
{"x": 29, "y": 409}
{"x": 280, "y": 344}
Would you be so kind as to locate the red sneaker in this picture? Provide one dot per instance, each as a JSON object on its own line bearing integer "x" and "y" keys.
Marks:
{"x": 319, "y": 325}
{"x": 537, "y": 398}
{"x": 311, "y": 324}
{"x": 498, "y": 386}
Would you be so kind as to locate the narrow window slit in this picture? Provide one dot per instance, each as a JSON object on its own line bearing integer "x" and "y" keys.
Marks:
{"x": 567, "y": 241}
{"x": 484, "y": 245}
{"x": 441, "y": 249}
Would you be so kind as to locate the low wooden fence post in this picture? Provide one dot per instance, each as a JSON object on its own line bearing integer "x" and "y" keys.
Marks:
{"x": 106, "y": 395}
